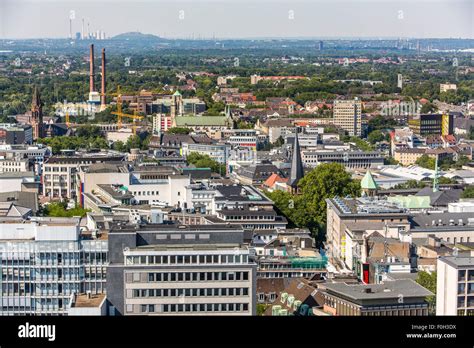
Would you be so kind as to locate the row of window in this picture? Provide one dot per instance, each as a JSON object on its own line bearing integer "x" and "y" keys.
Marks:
{"x": 55, "y": 169}
{"x": 462, "y": 288}
{"x": 194, "y": 276}
{"x": 185, "y": 259}
{"x": 138, "y": 293}
{"x": 249, "y": 217}
{"x": 465, "y": 301}
{"x": 466, "y": 274}
{"x": 56, "y": 258}
{"x": 190, "y": 308}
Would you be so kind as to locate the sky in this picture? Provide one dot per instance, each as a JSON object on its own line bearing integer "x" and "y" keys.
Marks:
{"x": 20, "y": 19}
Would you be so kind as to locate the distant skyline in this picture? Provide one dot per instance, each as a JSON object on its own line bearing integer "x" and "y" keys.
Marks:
{"x": 21, "y": 19}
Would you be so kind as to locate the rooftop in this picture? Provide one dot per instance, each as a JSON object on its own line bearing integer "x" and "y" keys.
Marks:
{"x": 387, "y": 290}
{"x": 83, "y": 300}
{"x": 458, "y": 261}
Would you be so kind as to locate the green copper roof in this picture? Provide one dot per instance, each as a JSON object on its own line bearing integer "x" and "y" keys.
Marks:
{"x": 368, "y": 182}
{"x": 202, "y": 121}
{"x": 177, "y": 93}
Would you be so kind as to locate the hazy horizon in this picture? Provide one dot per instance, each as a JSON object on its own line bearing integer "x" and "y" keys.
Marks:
{"x": 244, "y": 19}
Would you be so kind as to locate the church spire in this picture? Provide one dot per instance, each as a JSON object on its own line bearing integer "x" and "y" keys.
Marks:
{"x": 36, "y": 101}
{"x": 37, "y": 114}
{"x": 297, "y": 171}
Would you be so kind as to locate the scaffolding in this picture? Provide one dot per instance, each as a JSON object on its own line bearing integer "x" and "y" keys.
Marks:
{"x": 309, "y": 262}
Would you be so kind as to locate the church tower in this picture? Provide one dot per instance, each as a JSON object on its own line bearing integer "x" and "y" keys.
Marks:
{"x": 37, "y": 115}
{"x": 297, "y": 171}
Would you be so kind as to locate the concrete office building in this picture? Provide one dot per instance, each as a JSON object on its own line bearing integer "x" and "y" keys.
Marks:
{"x": 46, "y": 260}
{"x": 59, "y": 172}
{"x": 376, "y": 299}
{"x": 350, "y": 159}
{"x": 180, "y": 270}
{"x": 455, "y": 285}
{"x": 348, "y": 116}
{"x": 432, "y": 124}
{"x": 217, "y": 152}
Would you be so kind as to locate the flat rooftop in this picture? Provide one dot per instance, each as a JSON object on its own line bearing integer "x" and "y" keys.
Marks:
{"x": 458, "y": 261}
{"x": 176, "y": 228}
{"x": 386, "y": 290}
{"x": 84, "y": 301}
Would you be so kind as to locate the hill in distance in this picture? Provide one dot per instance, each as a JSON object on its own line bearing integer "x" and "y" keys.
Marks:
{"x": 137, "y": 36}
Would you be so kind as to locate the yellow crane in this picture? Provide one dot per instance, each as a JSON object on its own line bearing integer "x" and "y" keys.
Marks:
{"x": 67, "y": 119}
{"x": 120, "y": 114}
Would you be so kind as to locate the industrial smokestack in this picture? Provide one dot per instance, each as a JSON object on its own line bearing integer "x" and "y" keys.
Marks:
{"x": 91, "y": 81}
{"x": 102, "y": 98}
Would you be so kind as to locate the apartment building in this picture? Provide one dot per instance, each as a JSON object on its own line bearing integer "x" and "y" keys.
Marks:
{"x": 180, "y": 270}
{"x": 14, "y": 165}
{"x": 346, "y": 215}
{"x": 348, "y": 116}
{"x": 408, "y": 157}
{"x": 455, "y": 285}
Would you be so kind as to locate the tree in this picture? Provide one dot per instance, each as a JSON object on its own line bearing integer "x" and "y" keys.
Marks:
{"x": 468, "y": 192}
{"x": 308, "y": 209}
{"x": 261, "y": 308}
{"x": 88, "y": 131}
{"x": 375, "y": 137}
{"x": 446, "y": 181}
{"x": 390, "y": 161}
{"x": 410, "y": 184}
{"x": 360, "y": 143}
{"x": 427, "y": 162}
{"x": 428, "y": 281}
{"x": 178, "y": 130}
{"x": 58, "y": 209}
{"x": 428, "y": 108}
{"x": 204, "y": 161}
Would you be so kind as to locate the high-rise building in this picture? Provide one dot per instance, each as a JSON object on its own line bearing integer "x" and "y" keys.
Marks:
{"x": 400, "y": 81}
{"x": 455, "y": 285}
{"x": 348, "y": 116}
{"x": 432, "y": 124}
{"x": 37, "y": 115}
{"x": 180, "y": 270}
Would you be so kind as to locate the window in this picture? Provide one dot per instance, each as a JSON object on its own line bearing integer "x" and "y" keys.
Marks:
{"x": 261, "y": 297}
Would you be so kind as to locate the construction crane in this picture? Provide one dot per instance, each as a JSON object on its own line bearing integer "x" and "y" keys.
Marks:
{"x": 67, "y": 119}
{"x": 120, "y": 114}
